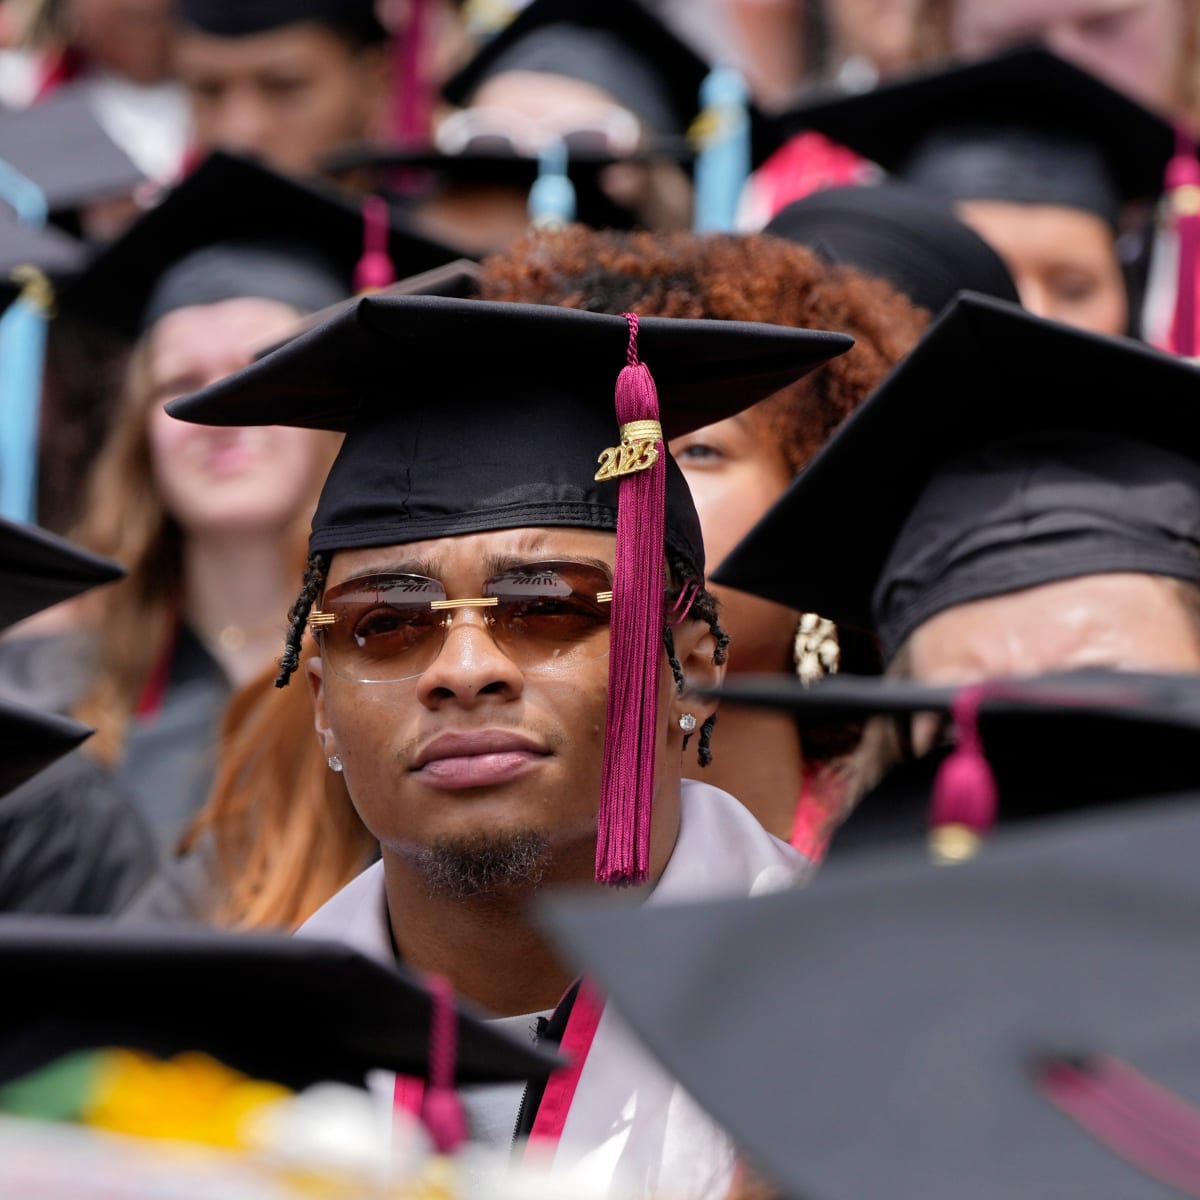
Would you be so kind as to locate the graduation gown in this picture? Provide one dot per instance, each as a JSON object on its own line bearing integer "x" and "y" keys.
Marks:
{"x": 628, "y": 1120}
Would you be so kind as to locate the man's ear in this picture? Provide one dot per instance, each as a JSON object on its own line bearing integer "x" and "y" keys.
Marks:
{"x": 695, "y": 647}
{"x": 314, "y": 676}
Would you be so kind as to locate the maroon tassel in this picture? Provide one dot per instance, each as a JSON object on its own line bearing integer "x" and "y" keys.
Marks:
{"x": 1183, "y": 187}
{"x": 441, "y": 1109}
{"x": 375, "y": 269}
{"x": 965, "y": 795}
{"x": 635, "y": 656}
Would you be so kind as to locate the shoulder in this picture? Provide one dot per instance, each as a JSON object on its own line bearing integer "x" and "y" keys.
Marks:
{"x": 356, "y": 915}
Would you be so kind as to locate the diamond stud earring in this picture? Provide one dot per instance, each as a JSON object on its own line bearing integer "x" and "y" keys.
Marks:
{"x": 334, "y": 763}
{"x": 687, "y": 723}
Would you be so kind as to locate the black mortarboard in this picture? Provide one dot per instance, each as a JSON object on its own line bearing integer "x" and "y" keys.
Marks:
{"x": 1004, "y": 452}
{"x": 1053, "y": 721}
{"x": 463, "y": 416}
{"x": 906, "y": 236}
{"x": 61, "y": 147}
{"x": 513, "y": 436}
{"x": 615, "y": 45}
{"x": 294, "y": 1010}
{"x": 38, "y": 569}
{"x": 235, "y": 228}
{"x": 436, "y": 172}
{"x": 1022, "y": 1025}
{"x": 30, "y": 741}
{"x": 1024, "y": 126}
{"x": 244, "y": 18}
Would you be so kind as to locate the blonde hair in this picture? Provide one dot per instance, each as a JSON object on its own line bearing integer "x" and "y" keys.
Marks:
{"x": 285, "y": 832}
{"x": 125, "y": 518}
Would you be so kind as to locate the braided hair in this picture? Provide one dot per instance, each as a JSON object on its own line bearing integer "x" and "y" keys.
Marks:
{"x": 315, "y": 571}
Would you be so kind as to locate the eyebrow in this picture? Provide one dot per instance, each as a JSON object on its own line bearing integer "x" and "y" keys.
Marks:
{"x": 493, "y": 564}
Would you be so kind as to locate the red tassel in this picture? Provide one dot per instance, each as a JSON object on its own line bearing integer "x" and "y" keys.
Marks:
{"x": 635, "y": 656}
{"x": 441, "y": 1109}
{"x": 375, "y": 269}
{"x": 965, "y": 795}
{"x": 1183, "y": 186}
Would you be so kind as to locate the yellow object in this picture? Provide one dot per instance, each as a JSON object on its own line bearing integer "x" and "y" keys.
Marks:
{"x": 638, "y": 451}
{"x": 188, "y": 1098}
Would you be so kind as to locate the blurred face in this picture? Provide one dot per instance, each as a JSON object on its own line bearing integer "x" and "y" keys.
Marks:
{"x": 735, "y": 475}
{"x": 476, "y": 750}
{"x": 1121, "y": 621}
{"x": 225, "y": 481}
{"x": 288, "y": 96}
{"x": 1063, "y": 260}
{"x": 1133, "y": 45}
{"x": 881, "y": 30}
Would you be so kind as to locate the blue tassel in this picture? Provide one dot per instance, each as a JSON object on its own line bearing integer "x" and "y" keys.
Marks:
{"x": 22, "y": 355}
{"x": 722, "y": 136}
{"x": 552, "y": 197}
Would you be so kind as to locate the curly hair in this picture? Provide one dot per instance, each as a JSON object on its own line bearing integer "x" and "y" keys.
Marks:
{"x": 732, "y": 278}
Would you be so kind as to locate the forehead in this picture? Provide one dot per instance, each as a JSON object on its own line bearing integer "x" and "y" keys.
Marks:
{"x": 474, "y": 556}
{"x": 294, "y": 45}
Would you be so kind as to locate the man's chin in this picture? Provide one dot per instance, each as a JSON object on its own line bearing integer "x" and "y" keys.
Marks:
{"x": 486, "y": 865}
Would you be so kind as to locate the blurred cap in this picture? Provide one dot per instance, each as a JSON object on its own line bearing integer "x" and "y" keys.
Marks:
{"x": 1021, "y": 1025}
{"x": 245, "y": 18}
{"x": 61, "y": 146}
{"x": 901, "y": 234}
{"x": 1024, "y": 126}
{"x": 39, "y": 569}
{"x": 1005, "y": 451}
{"x": 233, "y": 229}
{"x": 293, "y": 1010}
{"x": 30, "y": 741}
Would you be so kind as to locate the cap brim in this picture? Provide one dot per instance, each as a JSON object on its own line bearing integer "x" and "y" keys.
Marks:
{"x": 984, "y": 371}
{"x": 704, "y": 370}
{"x": 30, "y": 741}
{"x": 38, "y": 569}
{"x": 292, "y": 1010}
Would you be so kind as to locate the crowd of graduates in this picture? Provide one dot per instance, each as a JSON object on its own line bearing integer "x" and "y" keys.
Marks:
{"x": 467, "y": 465}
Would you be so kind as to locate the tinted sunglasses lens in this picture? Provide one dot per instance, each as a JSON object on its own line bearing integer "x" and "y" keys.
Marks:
{"x": 385, "y": 627}
{"x": 551, "y": 615}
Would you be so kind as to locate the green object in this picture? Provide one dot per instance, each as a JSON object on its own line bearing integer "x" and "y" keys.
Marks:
{"x": 55, "y": 1093}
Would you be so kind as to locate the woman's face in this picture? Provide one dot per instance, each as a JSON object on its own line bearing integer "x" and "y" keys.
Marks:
{"x": 1063, "y": 260}
{"x": 225, "y": 481}
{"x": 1134, "y": 45}
{"x": 735, "y": 474}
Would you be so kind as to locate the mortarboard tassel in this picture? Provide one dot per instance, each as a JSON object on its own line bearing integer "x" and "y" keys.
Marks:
{"x": 722, "y": 136}
{"x": 441, "y": 1109}
{"x": 375, "y": 269}
{"x": 635, "y": 656}
{"x": 1183, "y": 188}
{"x": 552, "y": 197}
{"x": 965, "y": 795}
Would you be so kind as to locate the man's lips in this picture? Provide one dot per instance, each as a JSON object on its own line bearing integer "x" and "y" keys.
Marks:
{"x": 482, "y": 759}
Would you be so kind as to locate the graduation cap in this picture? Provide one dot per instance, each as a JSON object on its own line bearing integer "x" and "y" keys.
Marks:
{"x": 245, "y": 18}
{"x": 1006, "y": 451}
{"x": 437, "y": 172}
{"x": 1022, "y": 1025}
{"x": 30, "y": 741}
{"x": 293, "y": 1010}
{"x": 39, "y": 569}
{"x": 62, "y": 147}
{"x": 901, "y": 234}
{"x": 1055, "y": 721}
{"x": 617, "y": 46}
{"x": 504, "y": 411}
{"x": 236, "y": 228}
{"x": 1024, "y": 126}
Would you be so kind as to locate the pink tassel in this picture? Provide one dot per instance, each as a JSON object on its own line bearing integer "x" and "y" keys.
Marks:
{"x": 1183, "y": 187}
{"x": 375, "y": 269}
{"x": 965, "y": 795}
{"x": 441, "y": 1109}
{"x": 635, "y": 659}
